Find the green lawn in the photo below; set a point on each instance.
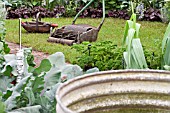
(151, 34)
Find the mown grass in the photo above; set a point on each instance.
(151, 34)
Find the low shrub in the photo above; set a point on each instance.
(119, 14)
(152, 14)
(104, 55)
(25, 12)
(153, 58)
(108, 56)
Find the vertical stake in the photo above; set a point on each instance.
(20, 34)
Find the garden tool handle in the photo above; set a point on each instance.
(38, 18)
(103, 18)
(75, 18)
(103, 8)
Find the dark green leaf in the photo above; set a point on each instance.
(44, 67)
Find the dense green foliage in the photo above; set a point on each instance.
(105, 55)
(125, 4)
(110, 56)
(3, 46)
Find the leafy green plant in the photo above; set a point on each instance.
(3, 46)
(165, 49)
(117, 4)
(21, 3)
(36, 90)
(165, 11)
(112, 4)
(4, 49)
(153, 58)
(134, 55)
(103, 55)
(50, 4)
(70, 8)
(150, 3)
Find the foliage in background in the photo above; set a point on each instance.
(114, 8)
(119, 14)
(24, 12)
(51, 8)
(151, 14)
(165, 11)
(148, 10)
(103, 55)
(70, 8)
(66, 8)
(22, 3)
(117, 4)
(156, 4)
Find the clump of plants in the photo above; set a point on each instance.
(103, 55)
(134, 56)
(119, 14)
(91, 12)
(153, 58)
(25, 12)
(70, 8)
(107, 56)
(151, 14)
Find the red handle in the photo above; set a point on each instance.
(54, 25)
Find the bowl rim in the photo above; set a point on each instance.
(64, 108)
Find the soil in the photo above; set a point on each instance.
(38, 56)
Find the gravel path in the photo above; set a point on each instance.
(38, 56)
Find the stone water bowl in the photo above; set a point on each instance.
(120, 91)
